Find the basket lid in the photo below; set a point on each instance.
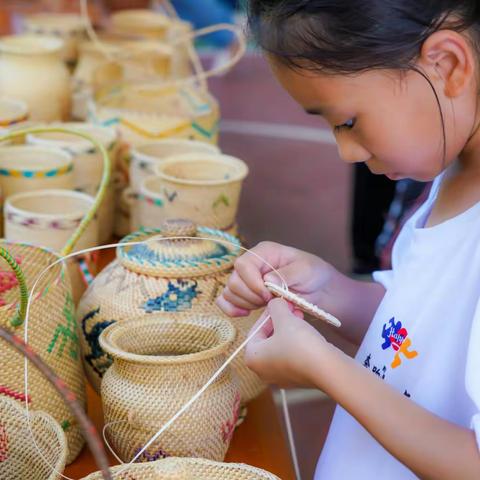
(164, 254)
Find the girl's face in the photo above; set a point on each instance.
(390, 122)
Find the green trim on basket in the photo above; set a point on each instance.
(68, 248)
(19, 317)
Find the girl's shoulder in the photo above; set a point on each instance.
(454, 195)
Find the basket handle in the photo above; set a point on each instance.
(19, 316)
(89, 431)
(200, 74)
(68, 248)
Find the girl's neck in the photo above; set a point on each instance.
(469, 158)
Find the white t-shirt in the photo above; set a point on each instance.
(424, 340)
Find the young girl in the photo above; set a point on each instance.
(399, 82)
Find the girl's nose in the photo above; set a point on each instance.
(351, 151)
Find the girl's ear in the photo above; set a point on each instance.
(448, 57)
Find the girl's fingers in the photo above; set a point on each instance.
(239, 302)
(281, 312)
(239, 288)
(251, 270)
(230, 309)
(265, 331)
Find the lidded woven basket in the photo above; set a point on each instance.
(166, 276)
(187, 469)
(158, 366)
(19, 456)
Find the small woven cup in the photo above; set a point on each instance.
(88, 164)
(158, 366)
(20, 454)
(12, 111)
(201, 187)
(48, 218)
(67, 26)
(27, 168)
(146, 156)
(141, 22)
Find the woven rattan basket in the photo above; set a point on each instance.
(52, 330)
(158, 366)
(146, 113)
(187, 469)
(54, 336)
(19, 457)
(170, 278)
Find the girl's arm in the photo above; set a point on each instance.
(431, 447)
(289, 352)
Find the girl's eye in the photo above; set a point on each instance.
(349, 124)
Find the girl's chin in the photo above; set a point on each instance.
(395, 176)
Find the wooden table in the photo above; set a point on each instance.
(258, 441)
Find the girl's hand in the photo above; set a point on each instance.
(286, 349)
(304, 273)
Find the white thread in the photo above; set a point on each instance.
(291, 439)
(196, 396)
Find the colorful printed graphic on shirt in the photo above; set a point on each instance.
(396, 336)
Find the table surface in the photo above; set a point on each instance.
(259, 441)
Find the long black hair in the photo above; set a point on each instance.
(350, 36)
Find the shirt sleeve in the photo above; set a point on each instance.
(383, 277)
(472, 375)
